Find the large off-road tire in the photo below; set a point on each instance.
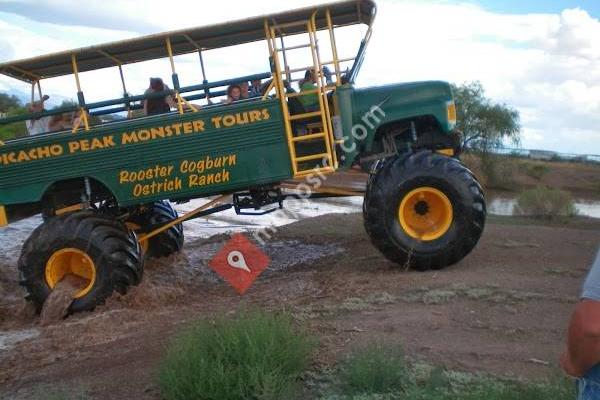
(424, 211)
(99, 250)
(167, 242)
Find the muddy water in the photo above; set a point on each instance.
(192, 264)
(9, 339)
(57, 303)
(12, 238)
(172, 279)
(294, 210)
(506, 206)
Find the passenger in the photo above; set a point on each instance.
(328, 75)
(70, 120)
(310, 101)
(234, 93)
(159, 105)
(42, 124)
(255, 88)
(245, 90)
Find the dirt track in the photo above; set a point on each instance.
(502, 310)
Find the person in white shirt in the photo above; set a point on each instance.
(42, 124)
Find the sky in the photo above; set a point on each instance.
(540, 57)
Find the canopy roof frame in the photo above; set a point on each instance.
(184, 41)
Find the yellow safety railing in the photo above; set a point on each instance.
(170, 53)
(323, 103)
(186, 103)
(82, 112)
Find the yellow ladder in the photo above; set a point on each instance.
(325, 134)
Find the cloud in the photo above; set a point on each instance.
(6, 50)
(90, 14)
(576, 33)
(149, 16)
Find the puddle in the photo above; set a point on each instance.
(506, 207)
(287, 254)
(192, 264)
(229, 221)
(9, 339)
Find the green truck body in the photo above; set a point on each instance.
(216, 150)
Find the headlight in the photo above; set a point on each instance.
(451, 113)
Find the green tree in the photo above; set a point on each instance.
(8, 102)
(11, 105)
(485, 125)
(15, 129)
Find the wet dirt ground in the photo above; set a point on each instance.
(503, 310)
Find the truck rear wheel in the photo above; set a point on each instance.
(167, 242)
(100, 251)
(424, 211)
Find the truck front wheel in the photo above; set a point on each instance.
(424, 211)
(102, 253)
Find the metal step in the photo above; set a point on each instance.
(308, 137)
(312, 157)
(305, 115)
(300, 46)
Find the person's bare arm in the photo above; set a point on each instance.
(583, 342)
(171, 102)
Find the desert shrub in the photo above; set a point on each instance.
(543, 202)
(374, 369)
(253, 356)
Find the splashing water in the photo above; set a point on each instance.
(59, 300)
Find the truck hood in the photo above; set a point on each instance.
(413, 92)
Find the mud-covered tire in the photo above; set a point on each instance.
(167, 242)
(113, 249)
(395, 179)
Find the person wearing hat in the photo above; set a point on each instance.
(41, 124)
(581, 358)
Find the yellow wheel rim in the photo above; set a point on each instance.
(74, 262)
(425, 213)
